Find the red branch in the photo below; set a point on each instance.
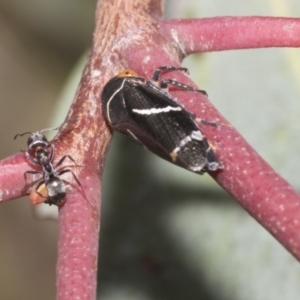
(227, 33)
(129, 34)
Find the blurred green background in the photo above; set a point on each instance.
(165, 233)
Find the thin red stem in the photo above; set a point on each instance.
(228, 33)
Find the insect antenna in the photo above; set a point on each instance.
(21, 134)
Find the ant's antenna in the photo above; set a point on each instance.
(21, 134)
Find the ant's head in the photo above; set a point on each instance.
(36, 139)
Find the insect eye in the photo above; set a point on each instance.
(44, 139)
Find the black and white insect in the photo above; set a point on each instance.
(51, 189)
(145, 111)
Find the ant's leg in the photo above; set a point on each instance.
(158, 71)
(37, 188)
(76, 179)
(51, 152)
(63, 159)
(30, 172)
(31, 159)
(26, 182)
(78, 182)
(34, 161)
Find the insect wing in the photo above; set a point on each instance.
(151, 116)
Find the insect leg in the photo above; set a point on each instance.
(212, 162)
(51, 152)
(78, 182)
(208, 123)
(30, 172)
(31, 159)
(38, 186)
(63, 159)
(165, 82)
(159, 70)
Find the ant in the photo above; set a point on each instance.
(40, 152)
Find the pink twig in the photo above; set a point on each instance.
(228, 33)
